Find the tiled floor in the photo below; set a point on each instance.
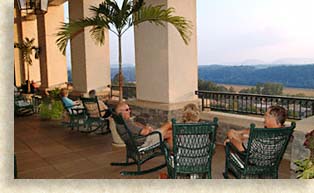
(48, 150)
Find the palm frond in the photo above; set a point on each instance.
(71, 29)
(160, 16)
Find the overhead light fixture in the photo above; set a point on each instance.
(33, 6)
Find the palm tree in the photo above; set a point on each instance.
(27, 47)
(109, 16)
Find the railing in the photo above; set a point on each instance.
(128, 91)
(297, 107)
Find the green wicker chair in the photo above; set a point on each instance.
(262, 156)
(193, 147)
(77, 116)
(138, 155)
(95, 120)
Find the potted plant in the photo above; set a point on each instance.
(51, 106)
(305, 168)
(27, 47)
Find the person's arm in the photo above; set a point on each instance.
(146, 130)
(237, 137)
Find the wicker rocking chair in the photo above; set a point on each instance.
(77, 116)
(97, 119)
(22, 107)
(138, 155)
(262, 156)
(193, 147)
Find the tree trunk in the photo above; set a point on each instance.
(120, 71)
(28, 81)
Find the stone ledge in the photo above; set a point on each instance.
(160, 106)
(299, 152)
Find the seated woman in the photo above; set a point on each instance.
(275, 117)
(65, 99)
(190, 113)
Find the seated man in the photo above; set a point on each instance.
(139, 129)
(275, 117)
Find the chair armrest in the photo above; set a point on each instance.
(230, 146)
(144, 136)
(155, 133)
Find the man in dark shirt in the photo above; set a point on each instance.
(140, 129)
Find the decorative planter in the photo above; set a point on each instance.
(116, 139)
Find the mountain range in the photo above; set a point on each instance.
(298, 76)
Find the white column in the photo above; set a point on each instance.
(90, 62)
(166, 68)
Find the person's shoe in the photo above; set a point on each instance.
(163, 175)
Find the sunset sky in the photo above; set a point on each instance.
(237, 31)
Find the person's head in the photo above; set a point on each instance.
(124, 109)
(64, 92)
(190, 113)
(92, 93)
(275, 117)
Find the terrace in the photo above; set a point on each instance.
(46, 149)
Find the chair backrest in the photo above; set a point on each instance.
(91, 106)
(266, 146)
(193, 146)
(125, 133)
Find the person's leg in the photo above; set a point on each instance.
(165, 128)
(166, 131)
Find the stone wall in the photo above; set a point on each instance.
(147, 113)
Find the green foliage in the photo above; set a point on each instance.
(267, 88)
(51, 106)
(55, 93)
(305, 169)
(115, 80)
(27, 47)
(231, 89)
(210, 86)
(51, 110)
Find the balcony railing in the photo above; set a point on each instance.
(128, 91)
(297, 107)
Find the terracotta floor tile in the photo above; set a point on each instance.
(62, 158)
(41, 173)
(75, 167)
(46, 149)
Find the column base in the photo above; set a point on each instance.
(154, 113)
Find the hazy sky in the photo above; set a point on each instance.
(233, 31)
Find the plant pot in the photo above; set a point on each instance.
(116, 139)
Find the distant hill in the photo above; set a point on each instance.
(297, 76)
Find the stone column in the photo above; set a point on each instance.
(41, 34)
(166, 68)
(55, 70)
(90, 62)
(19, 67)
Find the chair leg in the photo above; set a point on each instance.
(141, 172)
